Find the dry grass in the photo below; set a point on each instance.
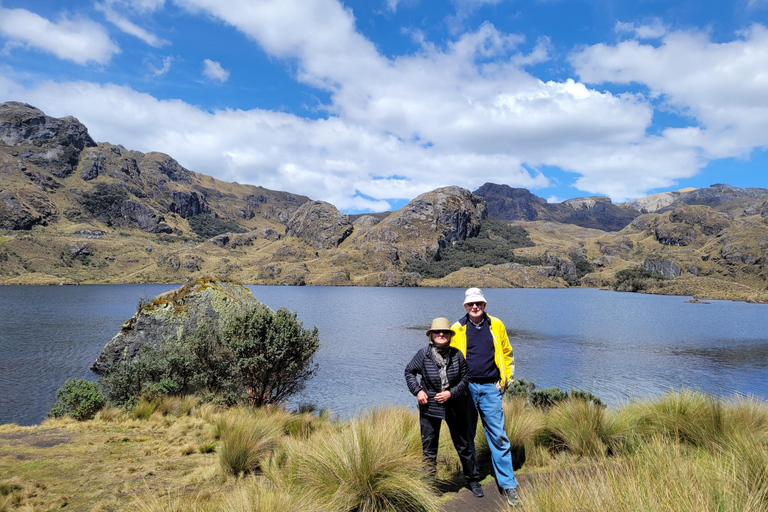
(682, 452)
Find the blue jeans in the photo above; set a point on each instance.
(487, 401)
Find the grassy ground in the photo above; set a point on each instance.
(681, 452)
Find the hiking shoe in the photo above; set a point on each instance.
(476, 489)
(512, 498)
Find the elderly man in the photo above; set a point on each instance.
(483, 341)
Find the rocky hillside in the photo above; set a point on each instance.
(76, 211)
(55, 175)
(505, 202)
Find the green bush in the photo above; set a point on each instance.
(635, 279)
(261, 356)
(104, 200)
(494, 245)
(78, 398)
(272, 353)
(207, 226)
(547, 397)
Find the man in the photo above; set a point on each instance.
(483, 341)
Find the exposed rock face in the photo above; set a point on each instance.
(25, 209)
(509, 203)
(656, 202)
(723, 198)
(44, 159)
(319, 224)
(52, 144)
(175, 314)
(455, 213)
(187, 204)
(663, 266)
(505, 202)
(681, 228)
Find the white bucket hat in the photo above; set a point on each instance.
(474, 295)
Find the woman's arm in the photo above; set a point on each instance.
(411, 370)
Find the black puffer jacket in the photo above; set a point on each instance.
(423, 364)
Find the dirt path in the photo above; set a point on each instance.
(493, 501)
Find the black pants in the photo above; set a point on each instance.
(457, 426)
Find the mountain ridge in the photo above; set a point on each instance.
(76, 211)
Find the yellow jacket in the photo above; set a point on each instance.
(505, 361)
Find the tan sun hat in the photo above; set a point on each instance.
(440, 324)
(474, 295)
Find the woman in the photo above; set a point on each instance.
(440, 390)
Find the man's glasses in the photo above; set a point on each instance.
(442, 333)
(478, 304)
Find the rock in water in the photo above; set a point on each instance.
(172, 315)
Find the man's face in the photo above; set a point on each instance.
(475, 310)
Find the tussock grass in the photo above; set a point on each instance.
(144, 409)
(521, 421)
(248, 437)
(578, 426)
(260, 495)
(371, 464)
(684, 451)
(661, 476)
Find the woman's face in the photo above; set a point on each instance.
(441, 338)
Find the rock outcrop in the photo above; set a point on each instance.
(509, 203)
(50, 143)
(171, 316)
(319, 224)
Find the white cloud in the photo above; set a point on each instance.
(392, 5)
(162, 71)
(214, 71)
(460, 114)
(655, 29)
(129, 27)
(723, 87)
(81, 41)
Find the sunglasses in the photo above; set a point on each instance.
(478, 304)
(442, 333)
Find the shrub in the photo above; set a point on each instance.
(105, 200)
(78, 398)
(494, 244)
(261, 356)
(547, 397)
(207, 226)
(635, 279)
(272, 352)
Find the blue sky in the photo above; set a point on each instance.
(366, 104)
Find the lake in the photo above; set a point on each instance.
(619, 346)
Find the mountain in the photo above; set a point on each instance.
(505, 202)
(54, 174)
(76, 211)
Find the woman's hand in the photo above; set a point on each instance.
(421, 396)
(442, 396)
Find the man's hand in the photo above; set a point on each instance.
(442, 396)
(421, 396)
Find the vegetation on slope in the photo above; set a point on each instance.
(493, 245)
(207, 226)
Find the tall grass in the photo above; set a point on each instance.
(260, 495)
(660, 476)
(371, 464)
(578, 426)
(247, 438)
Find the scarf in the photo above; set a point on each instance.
(441, 358)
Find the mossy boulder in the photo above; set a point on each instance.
(172, 315)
